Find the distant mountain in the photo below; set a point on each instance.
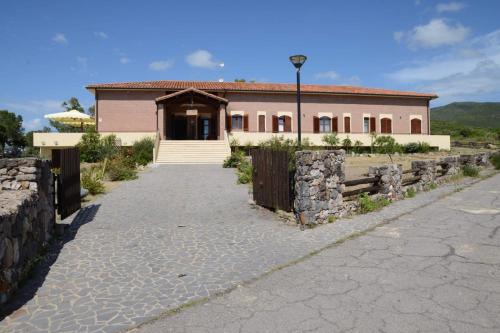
(485, 115)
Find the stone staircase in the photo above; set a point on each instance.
(192, 151)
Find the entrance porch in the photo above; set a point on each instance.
(191, 114)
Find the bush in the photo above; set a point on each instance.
(331, 139)
(358, 147)
(108, 147)
(414, 147)
(495, 160)
(121, 167)
(386, 145)
(411, 148)
(470, 171)
(288, 145)
(234, 159)
(90, 146)
(367, 204)
(424, 147)
(92, 180)
(245, 170)
(142, 151)
(93, 148)
(347, 143)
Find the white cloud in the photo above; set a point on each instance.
(337, 78)
(38, 107)
(124, 60)
(32, 124)
(330, 75)
(161, 65)
(482, 79)
(468, 71)
(60, 38)
(202, 59)
(433, 34)
(450, 7)
(101, 34)
(398, 35)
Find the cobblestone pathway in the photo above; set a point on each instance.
(435, 270)
(177, 234)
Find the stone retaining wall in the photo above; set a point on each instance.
(27, 218)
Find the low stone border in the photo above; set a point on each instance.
(320, 178)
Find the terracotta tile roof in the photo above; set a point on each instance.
(263, 87)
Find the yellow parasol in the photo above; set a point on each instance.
(73, 118)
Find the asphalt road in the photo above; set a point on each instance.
(436, 269)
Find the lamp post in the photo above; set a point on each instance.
(297, 61)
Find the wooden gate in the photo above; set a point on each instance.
(67, 163)
(272, 181)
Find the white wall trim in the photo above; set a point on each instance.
(285, 113)
(385, 115)
(325, 114)
(236, 112)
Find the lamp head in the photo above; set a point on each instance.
(298, 60)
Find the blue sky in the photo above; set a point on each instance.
(51, 49)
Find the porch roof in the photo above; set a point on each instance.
(191, 90)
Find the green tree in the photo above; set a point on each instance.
(91, 111)
(387, 145)
(11, 130)
(70, 104)
(73, 104)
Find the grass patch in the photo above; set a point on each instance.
(495, 161)
(470, 171)
(331, 219)
(92, 180)
(410, 193)
(368, 204)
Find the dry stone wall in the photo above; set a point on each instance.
(320, 177)
(27, 218)
(319, 185)
(389, 180)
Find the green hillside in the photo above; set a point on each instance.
(470, 114)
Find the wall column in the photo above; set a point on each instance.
(160, 117)
(222, 121)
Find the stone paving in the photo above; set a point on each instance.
(434, 270)
(177, 234)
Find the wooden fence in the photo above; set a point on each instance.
(372, 181)
(272, 180)
(67, 163)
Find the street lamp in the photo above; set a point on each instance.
(297, 61)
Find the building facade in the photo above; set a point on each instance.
(252, 112)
